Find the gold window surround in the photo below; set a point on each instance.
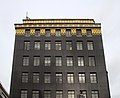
(95, 31)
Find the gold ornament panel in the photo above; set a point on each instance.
(95, 31)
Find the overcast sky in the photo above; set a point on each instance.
(106, 12)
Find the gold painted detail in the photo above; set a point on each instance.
(60, 21)
(56, 25)
(42, 31)
(20, 31)
(83, 30)
(95, 31)
(73, 31)
(32, 31)
(53, 31)
(63, 30)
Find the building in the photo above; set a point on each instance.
(3, 92)
(59, 58)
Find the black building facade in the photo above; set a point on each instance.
(59, 58)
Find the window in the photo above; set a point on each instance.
(58, 77)
(78, 32)
(80, 61)
(69, 61)
(93, 78)
(47, 94)
(70, 77)
(35, 94)
(24, 93)
(68, 45)
(58, 61)
(81, 77)
(58, 32)
(58, 45)
(71, 94)
(25, 77)
(90, 45)
(79, 45)
(95, 94)
(37, 32)
(68, 33)
(47, 32)
(47, 45)
(25, 60)
(35, 77)
(89, 32)
(26, 45)
(36, 61)
(37, 45)
(47, 61)
(27, 32)
(83, 94)
(59, 94)
(91, 61)
(47, 78)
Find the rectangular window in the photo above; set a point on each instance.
(27, 32)
(26, 45)
(91, 61)
(47, 61)
(37, 45)
(68, 33)
(58, 32)
(81, 77)
(69, 61)
(58, 77)
(83, 94)
(95, 94)
(70, 77)
(24, 93)
(89, 32)
(93, 77)
(58, 45)
(25, 77)
(58, 61)
(36, 61)
(47, 45)
(78, 32)
(25, 60)
(47, 94)
(37, 32)
(90, 45)
(79, 45)
(36, 77)
(71, 94)
(47, 32)
(47, 78)
(68, 45)
(35, 94)
(80, 61)
(59, 94)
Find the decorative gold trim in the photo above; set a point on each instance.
(60, 21)
(56, 25)
(42, 31)
(95, 31)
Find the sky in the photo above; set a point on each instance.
(106, 12)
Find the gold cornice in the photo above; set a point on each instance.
(55, 25)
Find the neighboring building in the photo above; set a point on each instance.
(59, 58)
(3, 93)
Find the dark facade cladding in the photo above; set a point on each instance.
(58, 63)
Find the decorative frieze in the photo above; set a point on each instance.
(21, 31)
